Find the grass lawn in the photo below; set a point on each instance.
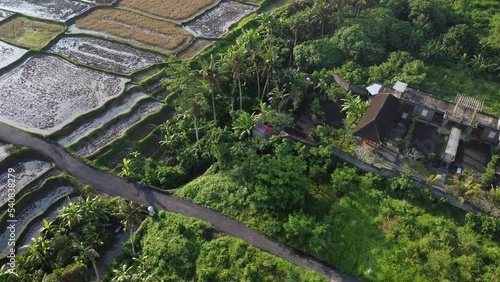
(29, 33)
(448, 82)
(418, 167)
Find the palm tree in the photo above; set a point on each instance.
(70, 216)
(243, 124)
(194, 105)
(354, 107)
(432, 51)
(320, 14)
(271, 61)
(210, 73)
(359, 5)
(92, 255)
(131, 218)
(252, 43)
(234, 60)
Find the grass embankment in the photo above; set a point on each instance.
(368, 231)
(173, 247)
(128, 25)
(29, 33)
(170, 9)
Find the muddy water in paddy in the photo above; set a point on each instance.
(45, 93)
(34, 229)
(116, 130)
(25, 215)
(24, 173)
(3, 150)
(10, 54)
(5, 14)
(104, 118)
(217, 21)
(57, 10)
(105, 54)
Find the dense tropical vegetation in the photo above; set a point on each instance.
(172, 247)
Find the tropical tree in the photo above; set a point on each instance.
(210, 72)
(70, 216)
(92, 255)
(243, 124)
(131, 218)
(354, 107)
(126, 171)
(251, 41)
(193, 105)
(234, 60)
(38, 249)
(271, 62)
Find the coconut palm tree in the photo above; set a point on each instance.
(234, 60)
(193, 105)
(250, 40)
(271, 62)
(210, 72)
(131, 218)
(92, 255)
(354, 107)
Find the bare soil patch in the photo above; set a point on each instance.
(105, 54)
(45, 93)
(10, 54)
(170, 9)
(29, 33)
(129, 25)
(217, 21)
(57, 10)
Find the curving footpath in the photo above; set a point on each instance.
(116, 186)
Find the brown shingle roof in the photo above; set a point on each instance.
(376, 121)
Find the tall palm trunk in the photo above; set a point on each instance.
(98, 277)
(213, 104)
(265, 85)
(258, 84)
(241, 95)
(132, 240)
(195, 121)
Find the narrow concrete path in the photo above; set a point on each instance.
(116, 186)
